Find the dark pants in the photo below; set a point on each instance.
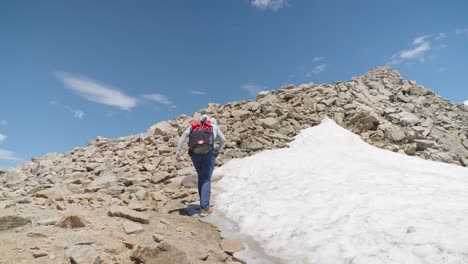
(204, 164)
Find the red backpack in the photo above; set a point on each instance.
(201, 137)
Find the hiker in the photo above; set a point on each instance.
(202, 135)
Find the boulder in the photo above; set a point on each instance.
(269, 122)
(71, 220)
(162, 129)
(394, 133)
(405, 118)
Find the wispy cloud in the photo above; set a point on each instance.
(159, 98)
(197, 92)
(6, 155)
(440, 36)
(76, 112)
(462, 31)
(317, 59)
(466, 102)
(97, 92)
(274, 5)
(417, 51)
(252, 88)
(2, 138)
(3, 122)
(317, 69)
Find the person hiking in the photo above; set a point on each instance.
(202, 135)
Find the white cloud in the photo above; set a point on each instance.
(3, 122)
(2, 138)
(76, 112)
(440, 36)
(462, 31)
(252, 88)
(269, 4)
(7, 155)
(97, 92)
(317, 59)
(466, 102)
(418, 49)
(159, 98)
(197, 92)
(317, 69)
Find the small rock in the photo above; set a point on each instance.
(132, 227)
(410, 229)
(84, 255)
(163, 253)
(51, 221)
(231, 246)
(39, 254)
(158, 238)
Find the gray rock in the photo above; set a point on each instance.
(405, 118)
(84, 255)
(56, 193)
(423, 144)
(239, 114)
(132, 227)
(394, 133)
(12, 221)
(162, 129)
(269, 122)
(14, 177)
(124, 212)
(454, 145)
(103, 182)
(262, 94)
(162, 253)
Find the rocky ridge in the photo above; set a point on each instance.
(122, 200)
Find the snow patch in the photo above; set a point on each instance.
(332, 198)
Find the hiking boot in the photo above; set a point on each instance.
(205, 212)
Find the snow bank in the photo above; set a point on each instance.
(332, 198)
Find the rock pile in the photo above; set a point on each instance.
(136, 178)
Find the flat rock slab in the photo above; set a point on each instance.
(56, 193)
(163, 253)
(84, 255)
(124, 212)
(132, 227)
(12, 221)
(231, 246)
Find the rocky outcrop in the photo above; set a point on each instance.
(136, 177)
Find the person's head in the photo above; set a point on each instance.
(204, 117)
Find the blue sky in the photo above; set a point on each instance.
(74, 70)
